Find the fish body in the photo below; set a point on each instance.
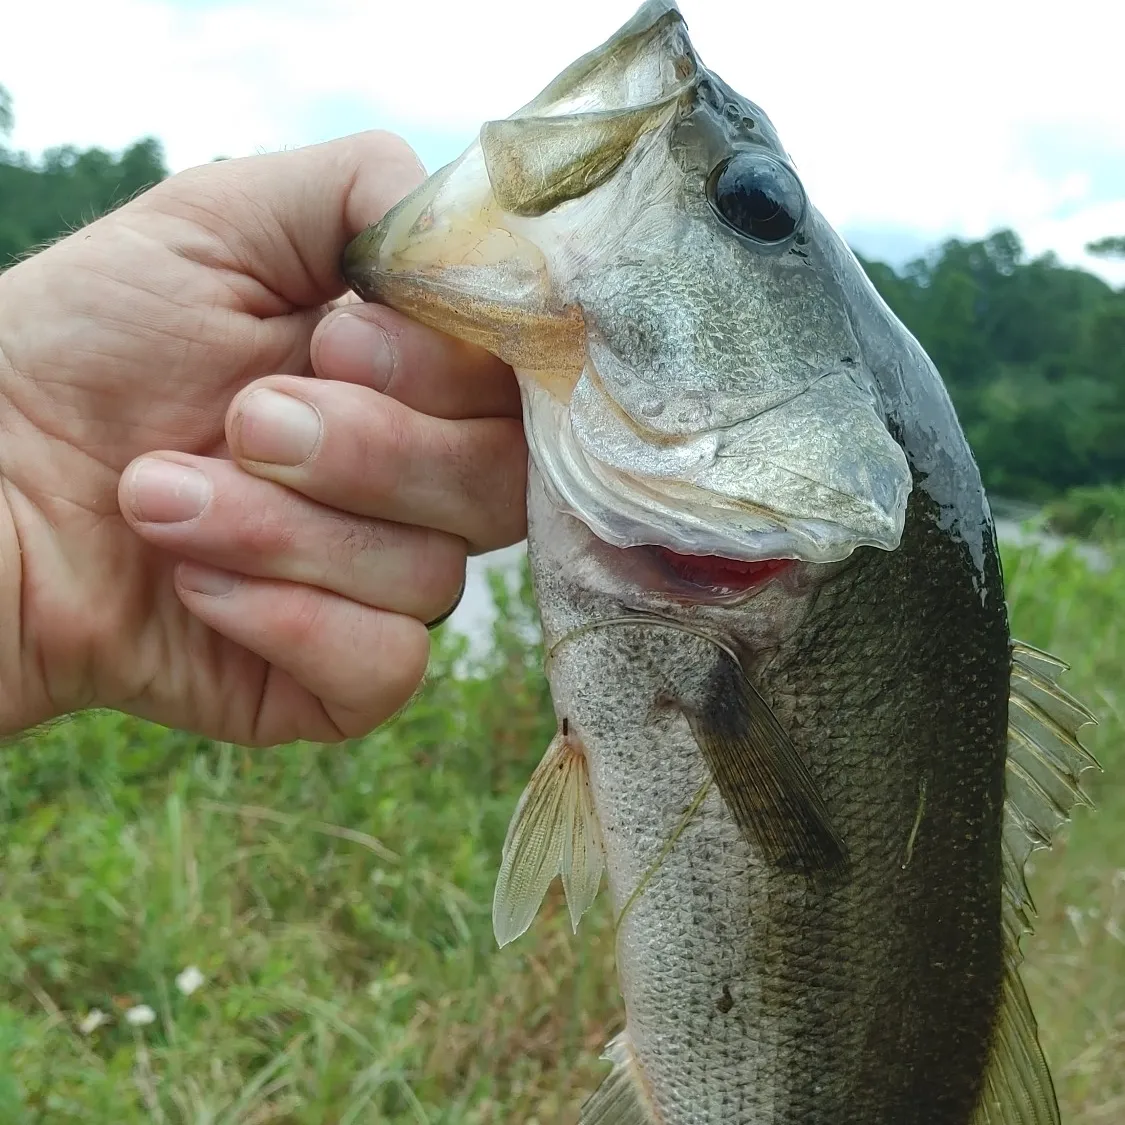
(793, 728)
(759, 994)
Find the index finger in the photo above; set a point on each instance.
(424, 369)
(284, 218)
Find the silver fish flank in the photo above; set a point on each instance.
(794, 731)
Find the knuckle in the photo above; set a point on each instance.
(394, 149)
(303, 625)
(385, 444)
(353, 538)
(263, 532)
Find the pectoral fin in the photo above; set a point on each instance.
(774, 799)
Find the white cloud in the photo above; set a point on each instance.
(1068, 236)
(936, 117)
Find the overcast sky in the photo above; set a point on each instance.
(908, 120)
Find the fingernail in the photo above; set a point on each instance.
(358, 350)
(164, 492)
(205, 580)
(277, 429)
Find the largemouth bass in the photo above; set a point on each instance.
(794, 731)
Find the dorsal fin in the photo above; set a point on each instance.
(1045, 764)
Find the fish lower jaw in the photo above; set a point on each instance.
(694, 499)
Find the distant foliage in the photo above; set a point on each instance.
(1111, 247)
(66, 188)
(1089, 513)
(1033, 352)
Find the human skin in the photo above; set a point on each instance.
(225, 505)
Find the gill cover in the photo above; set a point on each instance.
(636, 244)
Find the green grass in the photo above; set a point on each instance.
(1076, 960)
(337, 901)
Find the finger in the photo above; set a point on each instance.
(213, 512)
(362, 664)
(423, 369)
(351, 448)
(284, 218)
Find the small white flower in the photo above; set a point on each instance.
(189, 980)
(1074, 914)
(140, 1015)
(92, 1020)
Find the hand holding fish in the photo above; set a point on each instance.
(225, 507)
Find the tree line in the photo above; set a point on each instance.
(1032, 351)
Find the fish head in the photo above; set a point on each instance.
(636, 243)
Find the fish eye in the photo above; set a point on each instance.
(757, 196)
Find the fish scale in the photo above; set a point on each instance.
(911, 698)
(794, 732)
(824, 971)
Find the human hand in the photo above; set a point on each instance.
(314, 556)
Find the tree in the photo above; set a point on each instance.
(1111, 247)
(1033, 354)
(66, 188)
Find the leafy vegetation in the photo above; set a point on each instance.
(1033, 354)
(337, 902)
(66, 188)
(1088, 513)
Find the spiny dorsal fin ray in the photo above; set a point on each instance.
(554, 831)
(773, 798)
(1045, 763)
(621, 1098)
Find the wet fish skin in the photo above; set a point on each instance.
(871, 999)
(810, 795)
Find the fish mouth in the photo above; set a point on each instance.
(707, 580)
(810, 473)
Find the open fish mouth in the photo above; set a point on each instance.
(704, 580)
(687, 376)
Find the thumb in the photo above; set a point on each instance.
(284, 218)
